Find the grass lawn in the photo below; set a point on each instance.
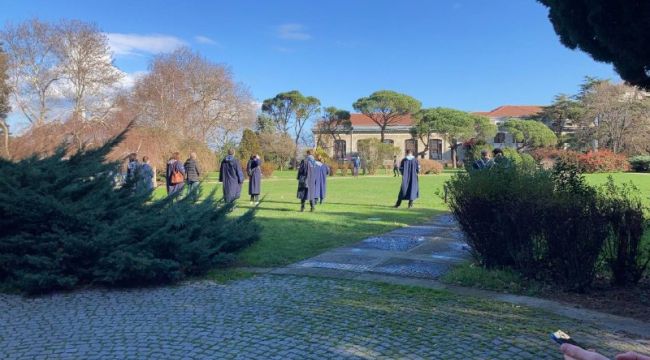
(354, 209)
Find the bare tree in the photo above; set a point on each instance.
(5, 91)
(198, 99)
(34, 67)
(617, 116)
(87, 68)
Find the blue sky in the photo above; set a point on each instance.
(472, 55)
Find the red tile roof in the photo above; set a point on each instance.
(363, 120)
(513, 111)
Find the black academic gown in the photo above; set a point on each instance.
(232, 177)
(410, 189)
(254, 176)
(307, 180)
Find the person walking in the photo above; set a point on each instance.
(410, 189)
(356, 163)
(395, 166)
(232, 177)
(193, 173)
(307, 181)
(147, 174)
(175, 174)
(132, 167)
(322, 171)
(254, 171)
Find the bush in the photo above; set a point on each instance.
(548, 224)
(344, 167)
(623, 253)
(267, 169)
(428, 166)
(334, 167)
(65, 226)
(602, 161)
(374, 152)
(640, 163)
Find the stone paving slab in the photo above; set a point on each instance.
(411, 268)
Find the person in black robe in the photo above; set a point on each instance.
(232, 177)
(254, 171)
(322, 171)
(410, 189)
(307, 181)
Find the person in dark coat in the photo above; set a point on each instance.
(356, 163)
(175, 174)
(193, 173)
(410, 189)
(147, 174)
(254, 171)
(395, 167)
(232, 177)
(307, 181)
(323, 172)
(132, 167)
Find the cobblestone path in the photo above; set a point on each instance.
(284, 317)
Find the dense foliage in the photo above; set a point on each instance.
(640, 163)
(374, 152)
(548, 223)
(616, 32)
(530, 134)
(590, 162)
(428, 166)
(65, 225)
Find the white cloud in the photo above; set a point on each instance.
(133, 44)
(293, 32)
(205, 40)
(129, 79)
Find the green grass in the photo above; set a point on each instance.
(509, 281)
(354, 209)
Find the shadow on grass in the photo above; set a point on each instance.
(287, 238)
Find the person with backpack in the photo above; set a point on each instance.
(193, 173)
(175, 175)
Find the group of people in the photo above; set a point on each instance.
(484, 162)
(312, 181)
(232, 177)
(312, 177)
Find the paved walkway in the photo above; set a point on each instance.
(422, 251)
(299, 317)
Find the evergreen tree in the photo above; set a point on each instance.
(249, 145)
(65, 225)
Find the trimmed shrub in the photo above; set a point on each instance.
(344, 167)
(428, 166)
(267, 169)
(65, 226)
(624, 255)
(640, 163)
(602, 161)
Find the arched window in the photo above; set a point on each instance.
(411, 144)
(435, 149)
(339, 149)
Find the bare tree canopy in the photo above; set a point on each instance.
(186, 93)
(5, 108)
(59, 69)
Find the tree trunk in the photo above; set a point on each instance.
(383, 129)
(5, 132)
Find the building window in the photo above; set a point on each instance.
(339, 149)
(435, 149)
(500, 138)
(389, 141)
(411, 144)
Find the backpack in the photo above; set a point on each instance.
(177, 177)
